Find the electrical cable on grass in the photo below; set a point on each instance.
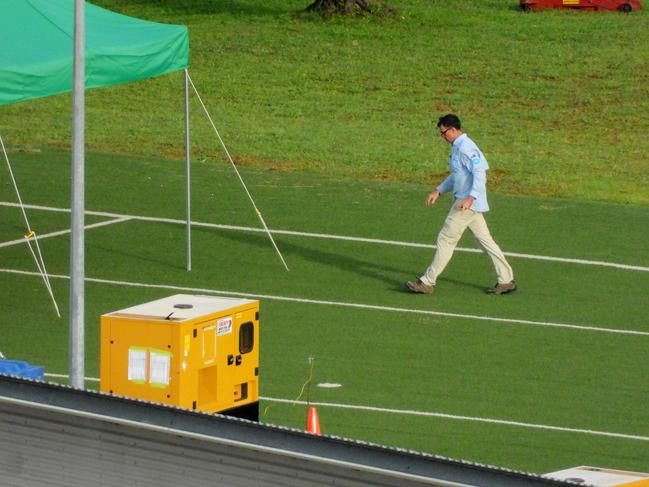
(261, 218)
(31, 235)
(307, 384)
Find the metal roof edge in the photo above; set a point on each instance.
(264, 437)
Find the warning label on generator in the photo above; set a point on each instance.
(159, 368)
(224, 326)
(137, 364)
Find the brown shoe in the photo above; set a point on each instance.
(419, 287)
(505, 288)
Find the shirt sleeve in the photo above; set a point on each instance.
(479, 182)
(446, 185)
(476, 165)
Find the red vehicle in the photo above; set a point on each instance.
(621, 5)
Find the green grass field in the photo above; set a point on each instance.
(333, 127)
(556, 100)
(411, 358)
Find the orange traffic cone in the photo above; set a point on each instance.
(312, 423)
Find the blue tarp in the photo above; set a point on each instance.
(22, 369)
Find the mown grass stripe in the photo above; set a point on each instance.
(344, 304)
(399, 243)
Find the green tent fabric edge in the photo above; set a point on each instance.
(37, 56)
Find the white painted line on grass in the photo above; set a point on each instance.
(343, 304)
(341, 237)
(431, 414)
(461, 418)
(66, 376)
(64, 232)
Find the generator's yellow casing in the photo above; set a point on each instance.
(195, 352)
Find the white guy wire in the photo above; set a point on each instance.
(40, 263)
(41, 268)
(261, 218)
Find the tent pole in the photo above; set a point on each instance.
(77, 257)
(188, 202)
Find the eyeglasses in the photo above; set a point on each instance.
(443, 132)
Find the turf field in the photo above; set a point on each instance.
(550, 377)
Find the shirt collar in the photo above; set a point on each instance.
(458, 141)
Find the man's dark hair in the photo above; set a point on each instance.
(450, 120)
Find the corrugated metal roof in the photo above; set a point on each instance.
(53, 435)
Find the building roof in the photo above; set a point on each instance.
(66, 436)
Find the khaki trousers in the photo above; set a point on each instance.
(456, 222)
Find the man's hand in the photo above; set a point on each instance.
(432, 197)
(466, 203)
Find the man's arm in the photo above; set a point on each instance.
(432, 198)
(476, 166)
(444, 187)
(479, 186)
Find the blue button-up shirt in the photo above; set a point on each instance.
(468, 173)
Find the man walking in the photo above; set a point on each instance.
(468, 184)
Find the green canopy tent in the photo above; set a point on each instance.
(42, 54)
(37, 48)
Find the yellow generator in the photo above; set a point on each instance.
(195, 352)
